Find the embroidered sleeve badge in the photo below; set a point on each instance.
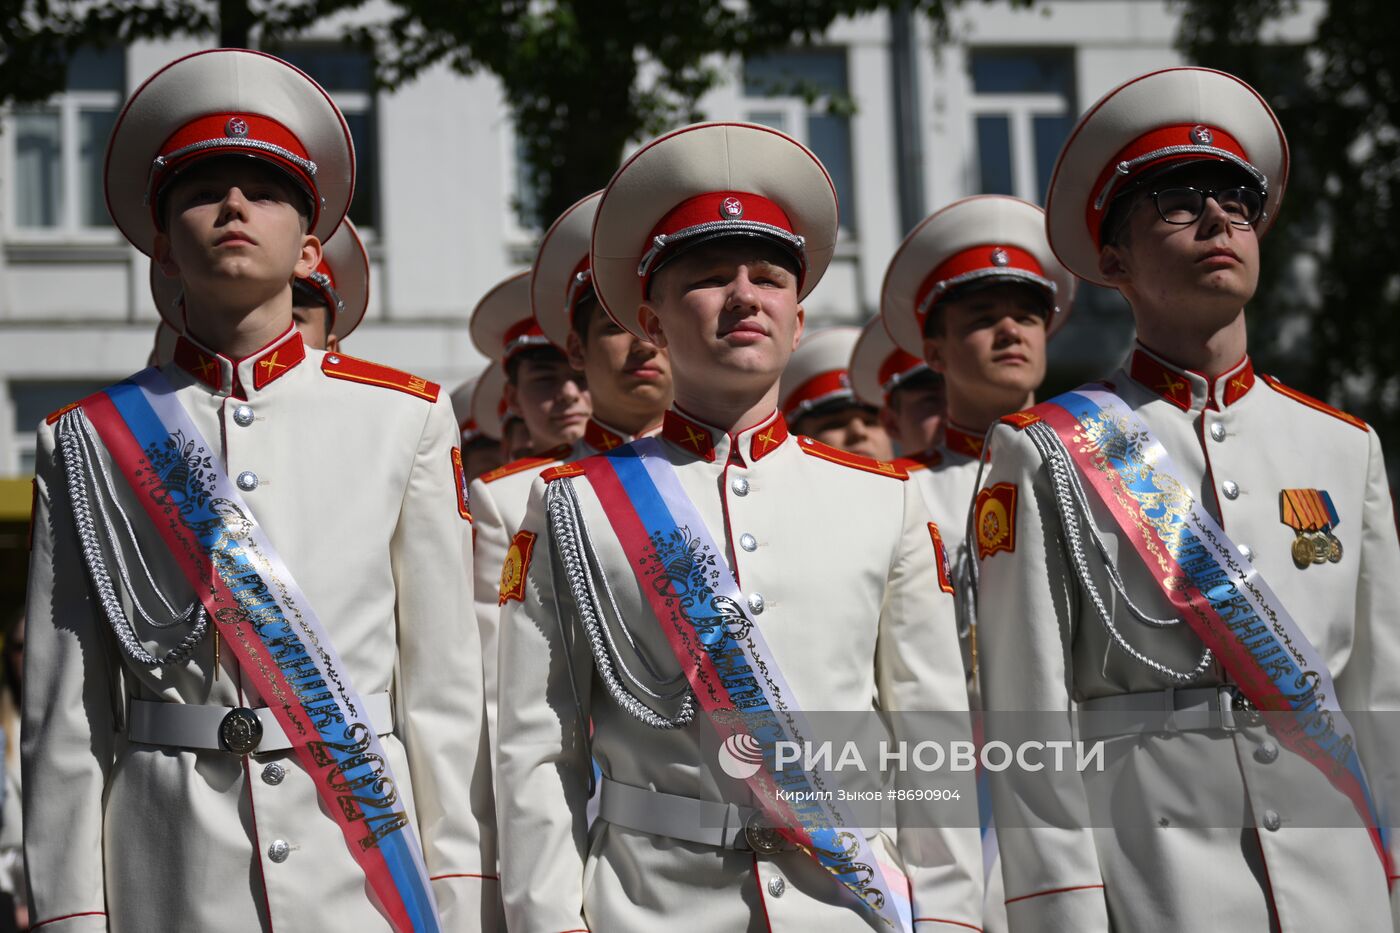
(945, 579)
(517, 564)
(996, 520)
(459, 474)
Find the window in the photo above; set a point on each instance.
(59, 148)
(35, 401)
(348, 76)
(805, 93)
(1022, 110)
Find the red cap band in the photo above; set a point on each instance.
(896, 365)
(1180, 142)
(749, 213)
(985, 258)
(816, 389)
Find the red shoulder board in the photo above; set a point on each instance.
(821, 451)
(562, 471)
(340, 366)
(1315, 404)
(1021, 419)
(53, 418)
(923, 461)
(553, 455)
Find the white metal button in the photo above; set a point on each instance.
(1231, 490)
(332, 359)
(1266, 753)
(776, 886)
(247, 481)
(279, 850)
(1217, 431)
(243, 415)
(1247, 552)
(748, 542)
(740, 486)
(756, 603)
(273, 773)
(1272, 821)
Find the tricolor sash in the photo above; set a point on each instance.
(1215, 589)
(269, 624)
(692, 591)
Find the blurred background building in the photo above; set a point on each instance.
(904, 122)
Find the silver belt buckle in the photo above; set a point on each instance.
(241, 731)
(762, 836)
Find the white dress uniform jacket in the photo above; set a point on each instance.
(354, 483)
(840, 570)
(1238, 441)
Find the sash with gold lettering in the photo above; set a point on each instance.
(1215, 589)
(692, 591)
(280, 644)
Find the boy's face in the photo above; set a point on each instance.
(992, 341)
(726, 311)
(233, 225)
(626, 375)
(915, 414)
(853, 427)
(551, 399)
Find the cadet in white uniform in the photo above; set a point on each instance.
(912, 399)
(705, 242)
(1214, 823)
(818, 401)
(162, 793)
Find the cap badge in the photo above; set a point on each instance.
(1202, 136)
(731, 209)
(236, 126)
(1000, 257)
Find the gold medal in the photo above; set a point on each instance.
(1302, 552)
(1320, 548)
(1334, 548)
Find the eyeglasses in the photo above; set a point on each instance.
(1181, 206)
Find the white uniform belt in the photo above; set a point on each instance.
(1172, 709)
(185, 725)
(706, 822)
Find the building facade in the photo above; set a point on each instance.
(904, 123)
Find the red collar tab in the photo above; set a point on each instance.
(987, 261)
(962, 441)
(898, 366)
(768, 438)
(1235, 384)
(718, 213)
(1156, 374)
(602, 439)
(205, 366)
(1181, 387)
(522, 335)
(1180, 142)
(279, 360)
(690, 436)
(243, 133)
(822, 387)
(580, 287)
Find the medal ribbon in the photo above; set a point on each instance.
(272, 630)
(1217, 591)
(733, 674)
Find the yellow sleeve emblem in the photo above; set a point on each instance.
(517, 565)
(996, 520)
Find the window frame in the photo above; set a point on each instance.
(1020, 110)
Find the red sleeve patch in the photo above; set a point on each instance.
(459, 475)
(996, 520)
(945, 578)
(517, 565)
(340, 366)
